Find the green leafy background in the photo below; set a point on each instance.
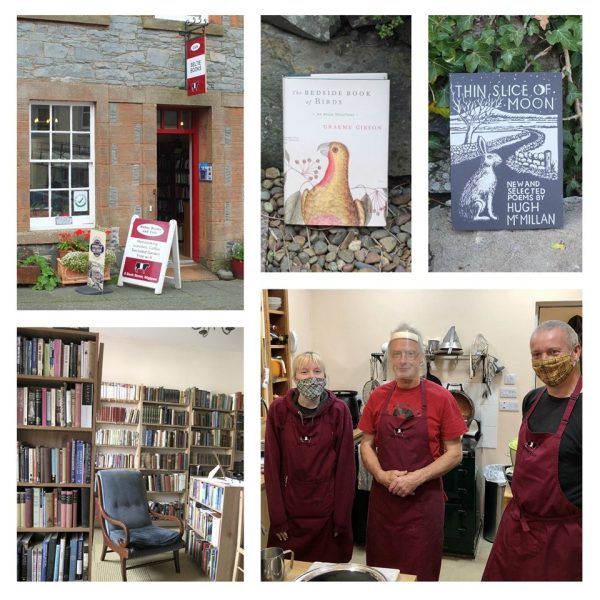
(459, 44)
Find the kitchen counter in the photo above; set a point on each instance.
(300, 567)
(507, 496)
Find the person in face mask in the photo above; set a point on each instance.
(539, 537)
(309, 468)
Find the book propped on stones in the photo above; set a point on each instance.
(506, 150)
(335, 141)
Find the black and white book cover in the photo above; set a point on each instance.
(506, 150)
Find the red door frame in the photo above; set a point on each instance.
(193, 172)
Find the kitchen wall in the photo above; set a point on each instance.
(176, 358)
(345, 326)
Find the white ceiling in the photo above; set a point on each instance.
(179, 336)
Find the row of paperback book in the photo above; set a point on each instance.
(174, 482)
(212, 437)
(118, 392)
(116, 460)
(208, 458)
(161, 394)
(163, 415)
(117, 437)
(205, 522)
(213, 419)
(54, 357)
(161, 438)
(207, 494)
(177, 461)
(203, 552)
(66, 508)
(68, 464)
(213, 401)
(53, 557)
(65, 406)
(118, 414)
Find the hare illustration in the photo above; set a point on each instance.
(478, 192)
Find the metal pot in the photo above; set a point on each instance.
(465, 404)
(343, 572)
(272, 563)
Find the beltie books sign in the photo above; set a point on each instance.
(195, 70)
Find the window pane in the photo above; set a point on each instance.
(80, 175)
(185, 122)
(38, 204)
(81, 145)
(59, 175)
(40, 117)
(170, 117)
(60, 203)
(61, 146)
(61, 118)
(81, 118)
(80, 202)
(40, 146)
(38, 176)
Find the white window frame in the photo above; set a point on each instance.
(75, 221)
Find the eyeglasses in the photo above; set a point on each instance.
(409, 354)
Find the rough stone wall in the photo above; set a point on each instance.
(124, 53)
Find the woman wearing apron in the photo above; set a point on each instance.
(411, 438)
(539, 537)
(309, 468)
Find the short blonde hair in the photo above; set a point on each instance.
(306, 358)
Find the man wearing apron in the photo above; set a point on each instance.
(539, 537)
(411, 438)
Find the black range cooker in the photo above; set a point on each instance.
(463, 487)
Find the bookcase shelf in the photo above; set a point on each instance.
(212, 522)
(49, 451)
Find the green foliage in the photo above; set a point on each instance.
(237, 251)
(386, 25)
(79, 261)
(459, 44)
(47, 279)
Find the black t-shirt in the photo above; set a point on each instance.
(546, 418)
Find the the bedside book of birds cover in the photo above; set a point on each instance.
(506, 150)
(335, 147)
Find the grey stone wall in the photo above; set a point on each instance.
(124, 53)
(319, 44)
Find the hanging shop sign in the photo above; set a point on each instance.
(96, 259)
(147, 251)
(195, 66)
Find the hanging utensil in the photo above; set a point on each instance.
(430, 375)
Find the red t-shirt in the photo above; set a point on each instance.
(444, 420)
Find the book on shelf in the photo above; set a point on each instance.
(52, 357)
(70, 463)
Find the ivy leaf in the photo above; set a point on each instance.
(572, 94)
(464, 23)
(438, 110)
(543, 20)
(533, 27)
(559, 246)
(564, 37)
(479, 59)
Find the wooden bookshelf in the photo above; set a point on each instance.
(212, 525)
(275, 345)
(53, 454)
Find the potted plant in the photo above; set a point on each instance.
(78, 240)
(36, 270)
(73, 267)
(237, 260)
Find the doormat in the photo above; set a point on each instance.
(194, 273)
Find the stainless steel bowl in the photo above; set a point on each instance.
(342, 572)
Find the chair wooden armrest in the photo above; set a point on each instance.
(161, 517)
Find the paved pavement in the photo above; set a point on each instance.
(194, 295)
(540, 250)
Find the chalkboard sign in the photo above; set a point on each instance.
(506, 150)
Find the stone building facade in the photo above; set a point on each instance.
(106, 130)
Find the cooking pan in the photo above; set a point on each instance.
(465, 404)
(343, 572)
(430, 375)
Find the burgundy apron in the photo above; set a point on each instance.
(406, 533)
(309, 464)
(539, 537)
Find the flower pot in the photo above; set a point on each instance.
(61, 253)
(237, 268)
(68, 277)
(27, 275)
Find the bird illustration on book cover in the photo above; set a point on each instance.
(335, 152)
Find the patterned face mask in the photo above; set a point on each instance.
(553, 371)
(312, 387)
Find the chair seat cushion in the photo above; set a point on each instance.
(150, 536)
